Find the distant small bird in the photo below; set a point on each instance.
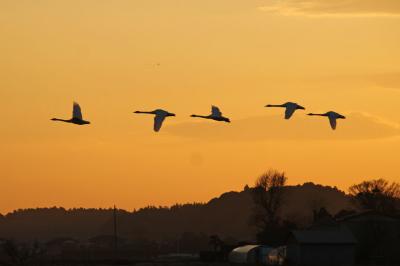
(215, 115)
(160, 115)
(333, 116)
(76, 116)
(290, 108)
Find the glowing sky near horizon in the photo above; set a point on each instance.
(115, 57)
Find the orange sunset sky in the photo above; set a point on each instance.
(115, 57)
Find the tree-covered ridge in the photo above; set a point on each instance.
(227, 215)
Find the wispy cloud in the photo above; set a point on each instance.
(386, 80)
(357, 126)
(337, 8)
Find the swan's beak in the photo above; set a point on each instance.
(302, 108)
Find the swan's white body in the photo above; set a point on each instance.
(77, 117)
(290, 108)
(332, 116)
(216, 115)
(159, 118)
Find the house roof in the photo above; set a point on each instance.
(367, 213)
(324, 237)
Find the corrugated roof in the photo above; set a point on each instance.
(324, 237)
(245, 249)
(241, 254)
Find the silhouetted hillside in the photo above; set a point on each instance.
(226, 216)
(301, 200)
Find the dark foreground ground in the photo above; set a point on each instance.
(186, 263)
(166, 263)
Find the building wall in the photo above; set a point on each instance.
(377, 236)
(320, 254)
(293, 254)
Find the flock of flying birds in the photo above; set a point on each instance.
(160, 115)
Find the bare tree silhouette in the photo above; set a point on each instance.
(268, 196)
(268, 199)
(377, 194)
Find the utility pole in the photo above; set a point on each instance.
(115, 233)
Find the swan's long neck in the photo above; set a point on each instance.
(318, 114)
(142, 112)
(61, 120)
(274, 105)
(201, 116)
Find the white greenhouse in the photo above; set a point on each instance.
(250, 254)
